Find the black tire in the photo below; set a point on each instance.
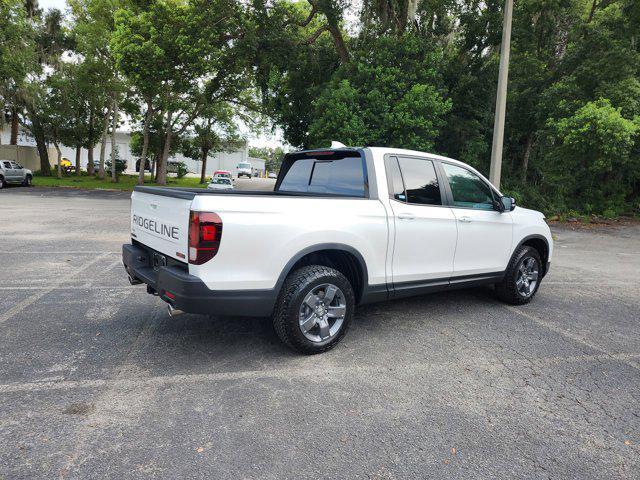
(27, 181)
(298, 285)
(2, 184)
(508, 290)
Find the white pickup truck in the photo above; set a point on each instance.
(342, 227)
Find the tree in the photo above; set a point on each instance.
(271, 156)
(391, 94)
(17, 56)
(600, 144)
(179, 58)
(213, 131)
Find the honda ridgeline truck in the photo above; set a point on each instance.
(343, 227)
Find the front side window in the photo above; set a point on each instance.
(468, 189)
(420, 181)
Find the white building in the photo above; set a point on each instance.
(219, 161)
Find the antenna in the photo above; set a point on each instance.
(335, 144)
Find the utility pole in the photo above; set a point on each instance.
(501, 97)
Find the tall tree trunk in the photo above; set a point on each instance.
(525, 158)
(103, 144)
(55, 143)
(203, 158)
(145, 142)
(114, 124)
(90, 146)
(338, 42)
(14, 126)
(41, 145)
(78, 153)
(161, 177)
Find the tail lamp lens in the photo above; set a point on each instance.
(205, 232)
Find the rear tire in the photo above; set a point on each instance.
(314, 309)
(2, 184)
(522, 277)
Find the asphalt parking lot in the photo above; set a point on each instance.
(96, 381)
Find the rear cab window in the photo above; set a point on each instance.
(332, 172)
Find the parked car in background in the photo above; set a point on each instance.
(12, 172)
(222, 173)
(147, 165)
(244, 169)
(67, 166)
(273, 175)
(351, 226)
(220, 183)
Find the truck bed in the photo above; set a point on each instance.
(189, 193)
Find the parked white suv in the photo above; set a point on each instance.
(11, 172)
(342, 227)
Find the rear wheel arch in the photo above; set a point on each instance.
(343, 258)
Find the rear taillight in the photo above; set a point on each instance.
(205, 232)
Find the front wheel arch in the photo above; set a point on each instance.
(539, 243)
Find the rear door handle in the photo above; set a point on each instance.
(406, 216)
(465, 219)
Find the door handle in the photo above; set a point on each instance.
(465, 219)
(406, 216)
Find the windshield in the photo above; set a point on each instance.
(244, 165)
(221, 181)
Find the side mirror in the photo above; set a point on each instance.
(508, 204)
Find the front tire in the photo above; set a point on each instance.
(314, 309)
(522, 278)
(27, 181)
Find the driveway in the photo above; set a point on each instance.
(96, 381)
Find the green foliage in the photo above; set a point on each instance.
(272, 156)
(412, 74)
(181, 169)
(390, 94)
(599, 167)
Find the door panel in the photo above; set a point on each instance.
(484, 234)
(425, 242)
(484, 241)
(425, 230)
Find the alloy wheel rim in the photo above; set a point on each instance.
(322, 313)
(527, 279)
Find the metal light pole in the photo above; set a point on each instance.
(501, 97)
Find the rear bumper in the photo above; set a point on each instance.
(188, 293)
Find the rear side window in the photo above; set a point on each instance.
(420, 181)
(394, 180)
(330, 175)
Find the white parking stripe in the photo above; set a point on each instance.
(316, 371)
(572, 336)
(41, 293)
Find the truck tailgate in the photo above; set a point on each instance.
(161, 222)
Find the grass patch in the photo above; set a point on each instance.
(125, 182)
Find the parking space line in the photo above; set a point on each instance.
(63, 252)
(312, 371)
(572, 336)
(41, 293)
